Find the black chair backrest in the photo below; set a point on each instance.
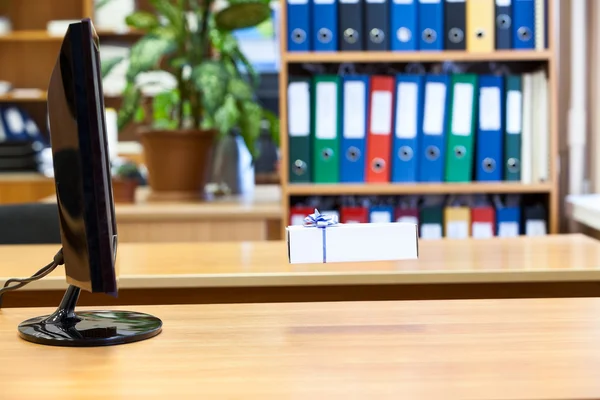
(29, 223)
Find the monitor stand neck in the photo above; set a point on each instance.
(65, 327)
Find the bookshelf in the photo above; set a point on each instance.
(545, 57)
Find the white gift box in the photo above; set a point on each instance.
(352, 242)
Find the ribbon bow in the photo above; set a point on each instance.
(321, 221)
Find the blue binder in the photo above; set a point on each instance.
(298, 25)
(381, 214)
(355, 95)
(432, 159)
(325, 19)
(508, 216)
(523, 24)
(431, 24)
(404, 25)
(407, 127)
(489, 154)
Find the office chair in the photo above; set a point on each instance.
(29, 223)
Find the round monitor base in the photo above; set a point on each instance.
(90, 328)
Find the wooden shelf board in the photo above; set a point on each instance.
(420, 56)
(29, 36)
(418, 188)
(9, 98)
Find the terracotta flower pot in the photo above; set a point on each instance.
(124, 190)
(177, 163)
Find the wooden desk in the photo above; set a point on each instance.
(223, 219)
(483, 349)
(175, 273)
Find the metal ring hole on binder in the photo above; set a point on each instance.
(326, 154)
(350, 35)
(324, 35)
(460, 151)
(298, 35)
(524, 33)
(503, 21)
(456, 35)
(377, 35)
(432, 153)
(405, 153)
(353, 154)
(299, 167)
(489, 164)
(403, 34)
(512, 164)
(378, 165)
(429, 35)
(480, 33)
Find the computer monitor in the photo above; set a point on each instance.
(85, 203)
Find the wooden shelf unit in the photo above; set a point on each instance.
(548, 57)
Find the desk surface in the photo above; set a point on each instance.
(265, 203)
(484, 349)
(556, 258)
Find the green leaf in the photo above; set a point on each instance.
(142, 20)
(172, 12)
(146, 54)
(164, 105)
(273, 121)
(140, 114)
(227, 116)
(250, 122)
(240, 89)
(242, 14)
(211, 79)
(132, 97)
(240, 57)
(101, 3)
(107, 65)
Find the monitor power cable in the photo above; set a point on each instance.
(17, 283)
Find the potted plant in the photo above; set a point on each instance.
(211, 95)
(125, 180)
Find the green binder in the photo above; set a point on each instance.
(326, 128)
(513, 128)
(299, 117)
(461, 127)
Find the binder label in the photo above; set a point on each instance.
(299, 109)
(489, 109)
(435, 104)
(503, 3)
(457, 229)
(293, 2)
(408, 219)
(508, 229)
(324, 1)
(406, 110)
(354, 110)
(381, 113)
(380, 216)
(349, 1)
(514, 100)
(430, 1)
(431, 231)
(462, 109)
(297, 219)
(403, 1)
(326, 108)
(482, 230)
(535, 227)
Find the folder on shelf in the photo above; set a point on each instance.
(299, 18)
(325, 20)
(381, 213)
(488, 165)
(407, 122)
(508, 216)
(354, 128)
(541, 137)
(527, 130)
(503, 13)
(523, 24)
(326, 126)
(457, 220)
(483, 219)
(480, 26)
(431, 25)
(298, 213)
(379, 140)
(513, 128)
(377, 25)
(354, 215)
(433, 145)
(455, 24)
(461, 126)
(408, 211)
(539, 12)
(404, 25)
(299, 128)
(431, 218)
(535, 220)
(351, 26)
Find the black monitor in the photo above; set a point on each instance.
(85, 203)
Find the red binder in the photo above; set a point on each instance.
(353, 215)
(298, 213)
(483, 222)
(379, 134)
(407, 215)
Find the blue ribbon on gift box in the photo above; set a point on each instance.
(321, 221)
